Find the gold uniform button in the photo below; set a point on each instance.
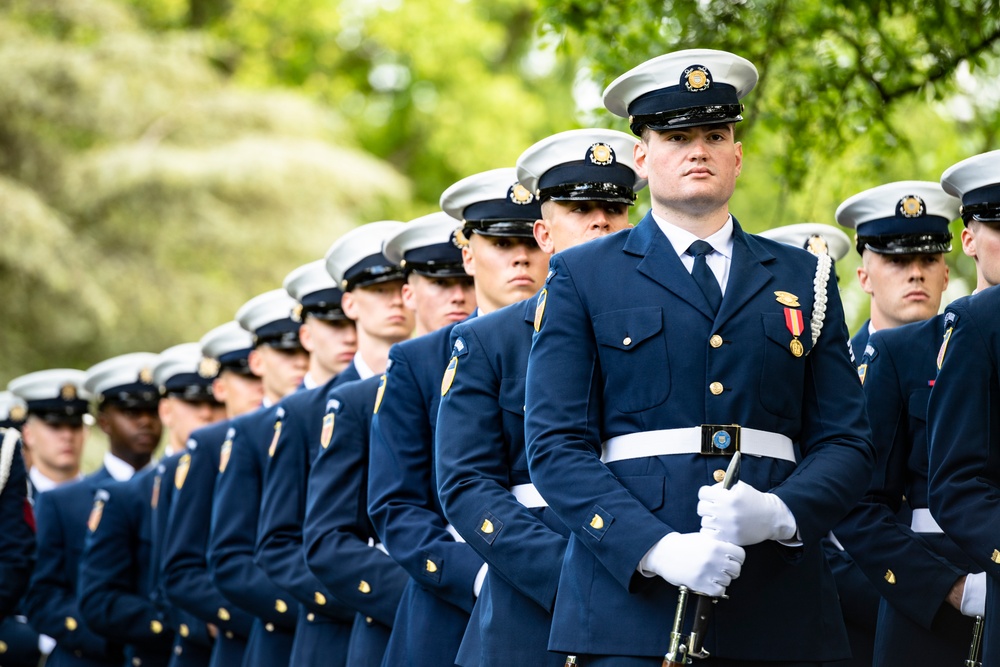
(364, 587)
(369, 620)
(136, 661)
(310, 617)
(229, 634)
(3, 647)
(185, 630)
(156, 627)
(280, 606)
(269, 627)
(71, 623)
(320, 598)
(716, 388)
(719, 475)
(223, 614)
(715, 341)
(627, 341)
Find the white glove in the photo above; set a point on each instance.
(743, 515)
(697, 561)
(477, 585)
(974, 595)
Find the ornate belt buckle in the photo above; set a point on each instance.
(720, 439)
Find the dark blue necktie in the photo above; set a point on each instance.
(703, 275)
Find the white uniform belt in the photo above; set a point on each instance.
(690, 441)
(923, 522)
(528, 495)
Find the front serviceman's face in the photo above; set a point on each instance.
(904, 288)
(691, 170)
(565, 224)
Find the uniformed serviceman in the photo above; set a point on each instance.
(445, 574)
(324, 626)
(340, 541)
(327, 334)
(964, 407)
(186, 404)
(726, 341)
(902, 252)
(116, 566)
(53, 432)
(902, 235)
(437, 288)
(917, 571)
(127, 415)
(585, 181)
(280, 361)
(51, 419)
(188, 586)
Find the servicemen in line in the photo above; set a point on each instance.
(918, 572)
(902, 235)
(964, 408)
(445, 574)
(585, 181)
(341, 544)
(727, 342)
(280, 361)
(128, 417)
(187, 583)
(324, 625)
(52, 426)
(902, 254)
(186, 404)
(116, 577)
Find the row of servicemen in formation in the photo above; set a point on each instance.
(347, 471)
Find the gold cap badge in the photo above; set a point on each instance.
(520, 195)
(146, 376)
(208, 367)
(601, 154)
(68, 392)
(911, 206)
(696, 78)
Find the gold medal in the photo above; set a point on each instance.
(796, 347)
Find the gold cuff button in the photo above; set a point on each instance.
(320, 598)
(310, 617)
(280, 606)
(156, 627)
(223, 614)
(71, 623)
(269, 627)
(184, 630)
(364, 587)
(3, 647)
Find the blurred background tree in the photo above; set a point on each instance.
(162, 161)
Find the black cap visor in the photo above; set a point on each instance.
(906, 244)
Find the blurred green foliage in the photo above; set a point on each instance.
(162, 161)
